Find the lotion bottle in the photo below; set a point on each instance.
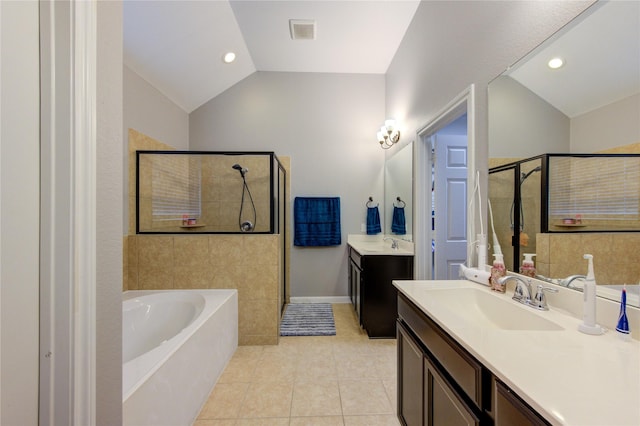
(528, 268)
(498, 270)
(589, 325)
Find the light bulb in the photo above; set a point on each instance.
(229, 57)
(555, 63)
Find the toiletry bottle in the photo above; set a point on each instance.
(528, 268)
(623, 322)
(498, 271)
(589, 325)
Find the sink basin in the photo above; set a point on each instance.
(487, 310)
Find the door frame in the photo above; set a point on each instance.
(463, 102)
(67, 390)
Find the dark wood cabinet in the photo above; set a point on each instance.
(410, 385)
(510, 410)
(441, 384)
(443, 404)
(372, 292)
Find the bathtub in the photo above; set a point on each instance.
(175, 345)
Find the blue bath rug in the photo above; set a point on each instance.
(308, 319)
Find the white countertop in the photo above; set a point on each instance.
(569, 377)
(379, 245)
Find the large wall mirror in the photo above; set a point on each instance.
(398, 193)
(590, 104)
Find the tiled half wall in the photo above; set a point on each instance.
(248, 263)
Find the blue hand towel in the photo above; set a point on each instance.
(373, 221)
(317, 221)
(398, 224)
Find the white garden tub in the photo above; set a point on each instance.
(175, 345)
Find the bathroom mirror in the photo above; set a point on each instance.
(398, 193)
(590, 104)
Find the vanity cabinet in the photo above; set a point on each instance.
(440, 383)
(372, 293)
(511, 410)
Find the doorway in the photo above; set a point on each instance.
(449, 199)
(442, 193)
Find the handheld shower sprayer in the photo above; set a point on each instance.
(241, 169)
(247, 225)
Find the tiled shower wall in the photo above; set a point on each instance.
(614, 256)
(250, 263)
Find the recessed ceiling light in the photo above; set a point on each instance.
(555, 63)
(229, 57)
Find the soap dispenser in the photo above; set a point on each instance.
(498, 270)
(528, 268)
(589, 325)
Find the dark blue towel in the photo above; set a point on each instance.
(317, 221)
(373, 221)
(398, 224)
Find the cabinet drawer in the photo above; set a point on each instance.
(462, 367)
(355, 257)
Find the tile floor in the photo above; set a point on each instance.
(346, 379)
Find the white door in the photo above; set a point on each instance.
(450, 198)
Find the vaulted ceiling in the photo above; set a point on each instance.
(178, 46)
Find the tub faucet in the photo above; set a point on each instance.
(522, 293)
(394, 243)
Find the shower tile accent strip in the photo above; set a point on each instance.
(249, 264)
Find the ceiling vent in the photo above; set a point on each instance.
(302, 29)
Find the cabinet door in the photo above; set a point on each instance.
(410, 386)
(511, 410)
(355, 279)
(443, 407)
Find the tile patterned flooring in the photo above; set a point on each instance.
(347, 379)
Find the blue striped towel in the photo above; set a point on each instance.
(317, 221)
(373, 221)
(398, 223)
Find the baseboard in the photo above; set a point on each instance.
(321, 299)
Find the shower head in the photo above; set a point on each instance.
(241, 169)
(524, 176)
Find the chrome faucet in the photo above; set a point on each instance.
(522, 293)
(540, 301)
(394, 243)
(571, 278)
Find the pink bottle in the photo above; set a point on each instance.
(528, 268)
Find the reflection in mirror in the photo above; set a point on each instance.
(398, 183)
(522, 214)
(589, 105)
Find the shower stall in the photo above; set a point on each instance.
(209, 192)
(234, 200)
(563, 194)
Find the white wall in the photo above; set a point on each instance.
(19, 212)
(148, 111)
(327, 124)
(611, 126)
(109, 206)
(450, 45)
(522, 124)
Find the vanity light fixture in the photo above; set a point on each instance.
(555, 63)
(388, 134)
(229, 57)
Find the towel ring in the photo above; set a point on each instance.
(400, 201)
(370, 202)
